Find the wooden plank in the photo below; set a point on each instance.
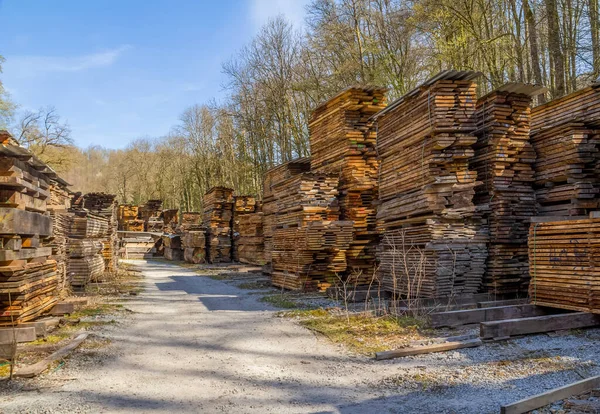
(538, 324)
(464, 317)
(14, 221)
(8, 335)
(63, 308)
(548, 397)
(427, 349)
(39, 367)
(507, 302)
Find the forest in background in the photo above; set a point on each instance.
(283, 73)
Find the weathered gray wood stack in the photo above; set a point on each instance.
(433, 241)
(58, 206)
(105, 205)
(84, 247)
(343, 142)
(217, 216)
(565, 134)
(504, 160)
(28, 278)
(273, 177)
(242, 205)
(173, 249)
(194, 246)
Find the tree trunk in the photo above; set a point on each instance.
(558, 59)
(534, 48)
(595, 33)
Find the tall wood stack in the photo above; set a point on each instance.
(84, 247)
(273, 177)
(105, 205)
(150, 214)
(190, 220)
(194, 246)
(504, 160)
(343, 141)
(242, 205)
(309, 244)
(565, 134)
(562, 263)
(28, 278)
(433, 241)
(251, 242)
(127, 214)
(217, 217)
(58, 205)
(170, 219)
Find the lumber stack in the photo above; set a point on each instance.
(194, 246)
(84, 247)
(105, 205)
(251, 243)
(273, 177)
(504, 160)
(139, 245)
(565, 134)
(127, 213)
(58, 205)
(433, 242)
(150, 212)
(217, 216)
(173, 249)
(562, 264)
(242, 205)
(29, 284)
(190, 220)
(170, 219)
(343, 141)
(309, 243)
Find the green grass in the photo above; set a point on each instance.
(280, 301)
(360, 333)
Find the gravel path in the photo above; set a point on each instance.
(194, 344)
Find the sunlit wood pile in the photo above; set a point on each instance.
(84, 247)
(194, 246)
(433, 242)
(343, 142)
(504, 160)
(173, 249)
(126, 214)
(170, 221)
(105, 205)
(565, 134)
(242, 205)
(217, 217)
(29, 283)
(250, 244)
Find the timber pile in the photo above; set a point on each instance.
(29, 284)
(242, 205)
(433, 241)
(343, 141)
(251, 243)
(126, 214)
(173, 249)
(139, 245)
(84, 247)
(194, 246)
(566, 137)
(58, 206)
(562, 264)
(105, 205)
(170, 220)
(309, 244)
(217, 216)
(190, 220)
(150, 212)
(275, 176)
(504, 160)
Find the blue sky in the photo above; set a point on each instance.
(118, 70)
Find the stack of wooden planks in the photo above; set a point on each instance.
(269, 205)
(148, 211)
(242, 205)
(251, 243)
(343, 141)
(433, 242)
(190, 220)
(194, 246)
(127, 213)
(29, 284)
(503, 161)
(139, 245)
(58, 206)
(217, 216)
(173, 249)
(105, 205)
(170, 219)
(87, 231)
(565, 134)
(562, 264)
(309, 244)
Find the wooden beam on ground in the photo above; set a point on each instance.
(465, 317)
(507, 302)
(538, 324)
(39, 367)
(8, 335)
(63, 308)
(548, 397)
(427, 349)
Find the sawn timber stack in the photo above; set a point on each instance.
(218, 211)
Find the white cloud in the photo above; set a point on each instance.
(293, 10)
(28, 66)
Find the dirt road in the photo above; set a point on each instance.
(195, 344)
